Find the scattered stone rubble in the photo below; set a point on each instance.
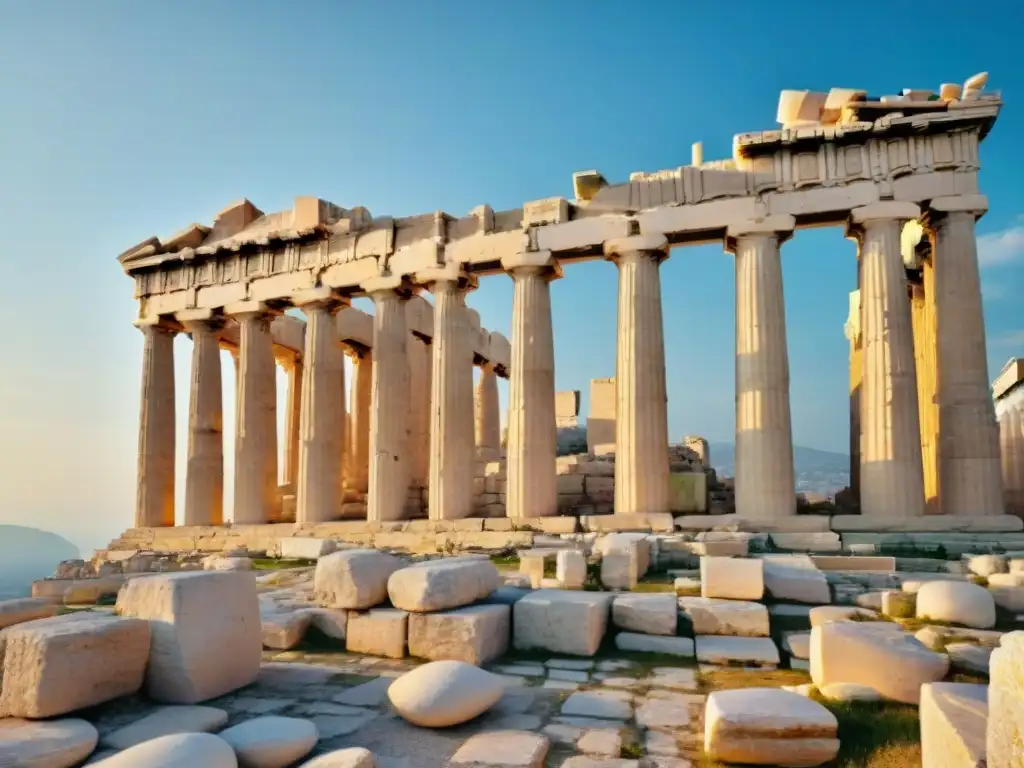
(543, 663)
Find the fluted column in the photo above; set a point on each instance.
(322, 425)
(420, 358)
(531, 489)
(1011, 444)
(292, 420)
(256, 495)
(204, 478)
(765, 485)
(359, 421)
(154, 500)
(922, 305)
(641, 420)
(891, 476)
(853, 335)
(452, 450)
(389, 412)
(970, 476)
(487, 414)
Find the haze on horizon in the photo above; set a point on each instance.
(125, 120)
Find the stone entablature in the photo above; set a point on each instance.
(871, 165)
(816, 175)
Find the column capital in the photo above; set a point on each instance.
(532, 262)
(976, 204)
(396, 284)
(780, 227)
(782, 224)
(199, 319)
(652, 243)
(317, 298)
(451, 272)
(157, 325)
(887, 209)
(242, 309)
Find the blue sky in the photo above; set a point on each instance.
(122, 120)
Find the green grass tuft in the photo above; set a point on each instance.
(279, 564)
(875, 734)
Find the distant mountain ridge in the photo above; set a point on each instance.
(27, 554)
(816, 471)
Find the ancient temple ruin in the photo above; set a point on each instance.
(924, 435)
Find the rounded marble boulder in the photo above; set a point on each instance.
(445, 693)
(181, 750)
(353, 757)
(959, 602)
(271, 742)
(51, 744)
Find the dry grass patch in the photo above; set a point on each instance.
(725, 678)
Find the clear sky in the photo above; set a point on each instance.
(122, 119)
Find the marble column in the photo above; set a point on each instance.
(359, 421)
(853, 335)
(452, 450)
(487, 414)
(765, 483)
(293, 418)
(641, 398)
(970, 475)
(420, 359)
(1011, 444)
(922, 307)
(531, 489)
(154, 500)
(322, 426)
(389, 412)
(256, 494)
(204, 478)
(891, 476)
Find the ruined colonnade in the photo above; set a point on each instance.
(923, 429)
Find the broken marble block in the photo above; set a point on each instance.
(768, 726)
(954, 718)
(25, 609)
(437, 585)
(795, 578)
(206, 632)
(476, 634)
(733, 578)
(725, 617)
(378, 632)
(60, 664)
(561, 621)
(876, 654)
(620, 569)
(354, 578)
(1005, 733)
(283, 630)
(646, 613)
(571, 568)
(958, 602)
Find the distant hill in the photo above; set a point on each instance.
(816, 471)
(27, 554)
